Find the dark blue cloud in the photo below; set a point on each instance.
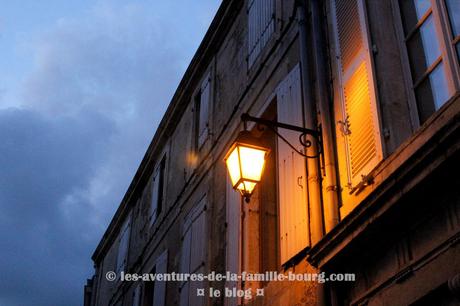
(44, 160)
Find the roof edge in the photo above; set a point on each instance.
(214, 36)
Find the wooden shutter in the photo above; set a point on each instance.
(359, 124)
(159, 291)
(193, 257)
(233, 248)
(155, 195)
(261, 25)
(123, 245)
(205, 96)
(185, 262)
(294, 235)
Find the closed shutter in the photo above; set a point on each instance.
(123, 245)
(359, 124)
(294, 235)
(233, 217)
(261, 25)
(185, 263)
(155, 196)
(198, 252)
(159, 291)
(193, 258)
(205, 96)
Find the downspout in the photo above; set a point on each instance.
(313, 169)
(330, 191)
(330, 197)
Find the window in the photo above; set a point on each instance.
(201, 109)
(157, 190)
(193, 255)
(453, 9)
(428, 54)
(123, 245)
(261, 25)
(155, 292)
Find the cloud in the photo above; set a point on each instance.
(82, 120)
(43, 161)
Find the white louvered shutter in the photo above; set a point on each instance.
(359, 124)
(205, 96)
(233, 217)
(261, 26)
(294, 235)
(193, 256)
(159, 291)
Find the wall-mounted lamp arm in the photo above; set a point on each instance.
(304, 131)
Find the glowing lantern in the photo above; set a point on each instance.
(245, 163)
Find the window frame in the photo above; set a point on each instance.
(441, 23)
(450, 42)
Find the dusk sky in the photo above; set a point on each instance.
(83, 86)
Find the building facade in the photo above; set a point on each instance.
(378, 198)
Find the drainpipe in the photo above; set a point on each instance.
(330, 197)
(313, 169)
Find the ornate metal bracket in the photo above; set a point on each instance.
(306, 143)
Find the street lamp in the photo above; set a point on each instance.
(245, 163)
(246, 157)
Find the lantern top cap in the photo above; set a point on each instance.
(245, 138)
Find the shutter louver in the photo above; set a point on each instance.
(361, 140)
(359, 107)
(294, 235)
